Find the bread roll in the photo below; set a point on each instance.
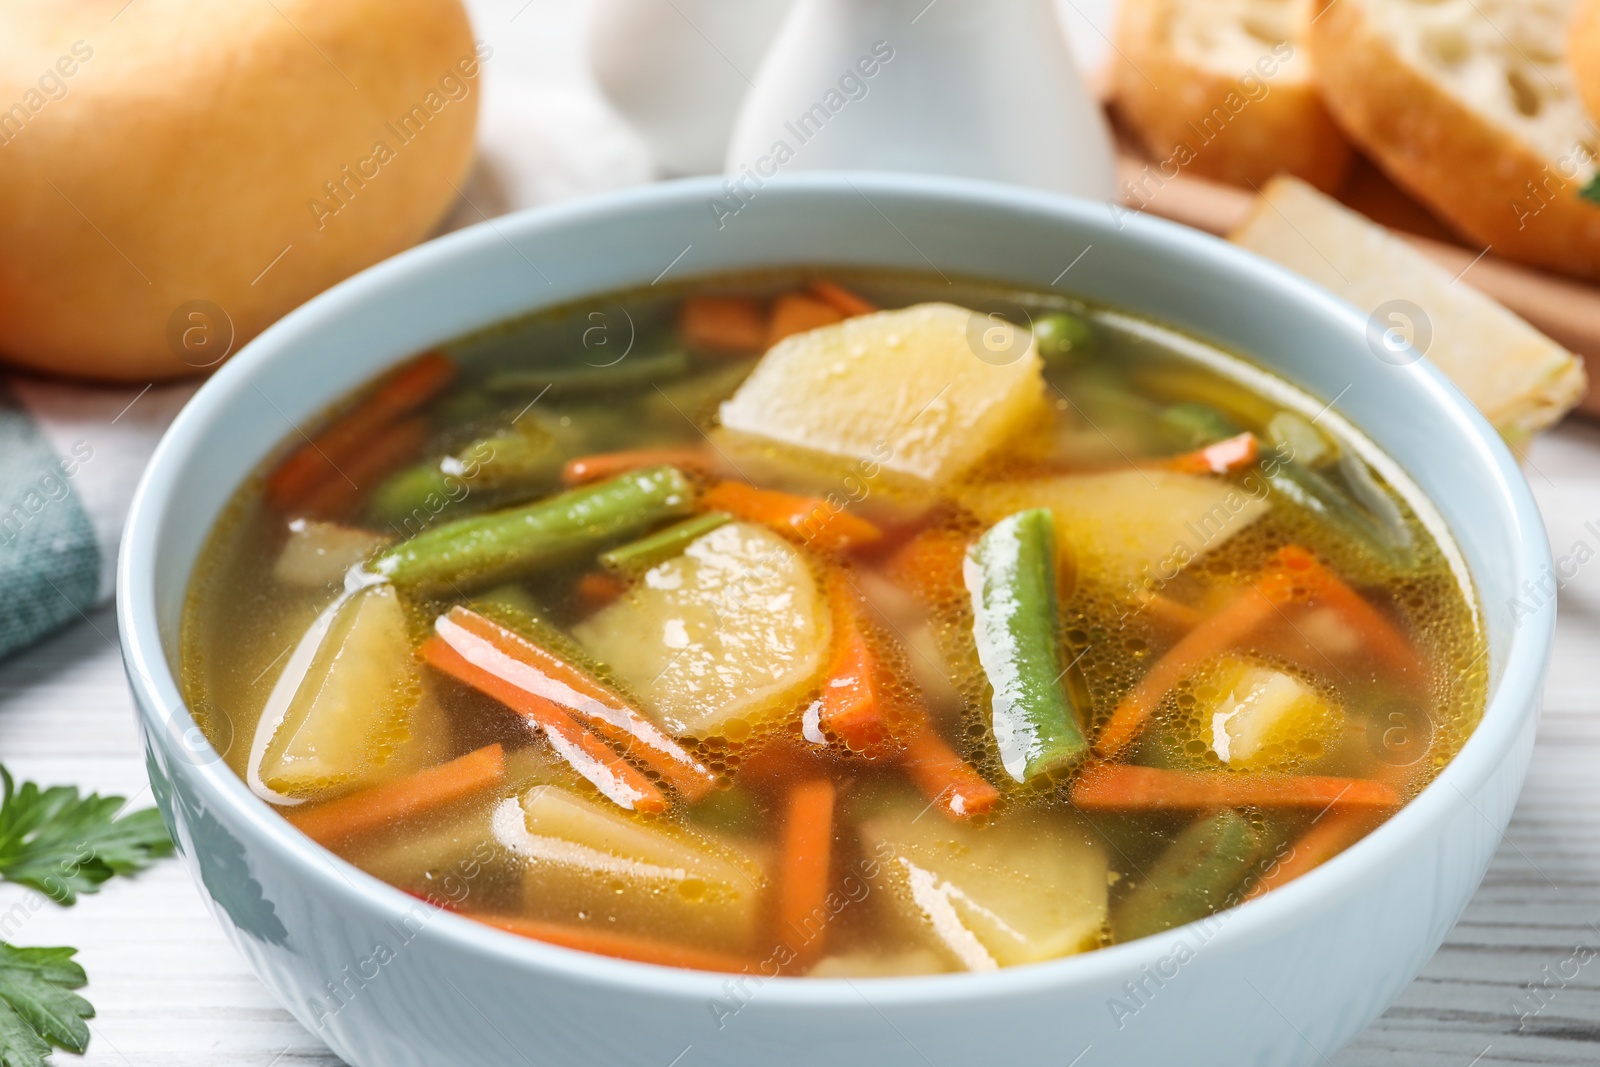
(177, 174)
(1470, 106)
(1218, 88)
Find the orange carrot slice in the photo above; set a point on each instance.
(395, 446)
(415, 794)
(403, 392)
(728, 325)
(945, 778)
(843, 300)
(597, 590)
(616, 945)
(794, 314)
(929, 566)
(806, 868)
(1224, 457)
(1218, 633)
(519, 663)
(1121, 787)
(587, 469)
(616, 779)
(1328, 837)
(807, 519)
(1379, 636)
(860, 704)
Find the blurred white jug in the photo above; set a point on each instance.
(678, 69)
(979, 88)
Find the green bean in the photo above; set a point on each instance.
(487, 548)
(1199, 425)
(733, 811)
(1306, 488)
(646, 552)
(694, 397)
(1196, 876)
(573, 381)
(1011, 575)
(1062, 337)
(521, 458)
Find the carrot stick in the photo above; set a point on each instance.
(945, 778)
(843, 300)
(1223, 457)
(730, 325)
(401, 393)
(859, 705)
(617, 945)
(617, 779)
(929, 566)
(394, 447)
(794, 314)
(1328, 837)
(587, 469)
(1122, 787)
(1255, 605)
(805, 863)
(372, 809)
(597, 590)
(526, 667)
(807, 519)
(1380, 636)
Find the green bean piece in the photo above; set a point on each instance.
(485, 549)
(695, 397)
(574, 381)
(522, 457)
(423, 489)
(1011, 576)
(1199, 874)
(1308, 489)
(1198, 425)
(734, 811)
(641, 555)
(1062, 337)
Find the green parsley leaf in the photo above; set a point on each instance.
(62, 844)
(1591, 192)
(37, 1006)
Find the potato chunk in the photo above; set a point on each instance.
(1019, 891)
(905, 389)
(335, 720)
(317, 554)
(1128, 529)
(716, 640)
(1265, 718)
(591, 865)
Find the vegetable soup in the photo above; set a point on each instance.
(833, 625)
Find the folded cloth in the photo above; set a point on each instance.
(70, 456)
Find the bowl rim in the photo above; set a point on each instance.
(1514, 701)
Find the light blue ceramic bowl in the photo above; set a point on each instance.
(387, 981)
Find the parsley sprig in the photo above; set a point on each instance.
(62, 844)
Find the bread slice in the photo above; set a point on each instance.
(1217, 88)
(1471, 107)
(1521, 380)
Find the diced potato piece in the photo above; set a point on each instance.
(878, 965)
(350, 712)
(1266, 718)
(714, 641)
(1128, 529)
(1020, 891)
(591, 865)
(452, 862)
(317, 554)
(906, 389)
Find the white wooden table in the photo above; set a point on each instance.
(171, 993)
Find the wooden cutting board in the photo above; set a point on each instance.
(1567, 310)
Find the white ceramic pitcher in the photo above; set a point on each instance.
(979, 88)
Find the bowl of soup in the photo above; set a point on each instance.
(896, 621)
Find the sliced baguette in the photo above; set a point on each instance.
(1470, 106)
(1217, 88)
(1521, 380)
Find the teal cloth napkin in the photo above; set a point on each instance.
(70, 457)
